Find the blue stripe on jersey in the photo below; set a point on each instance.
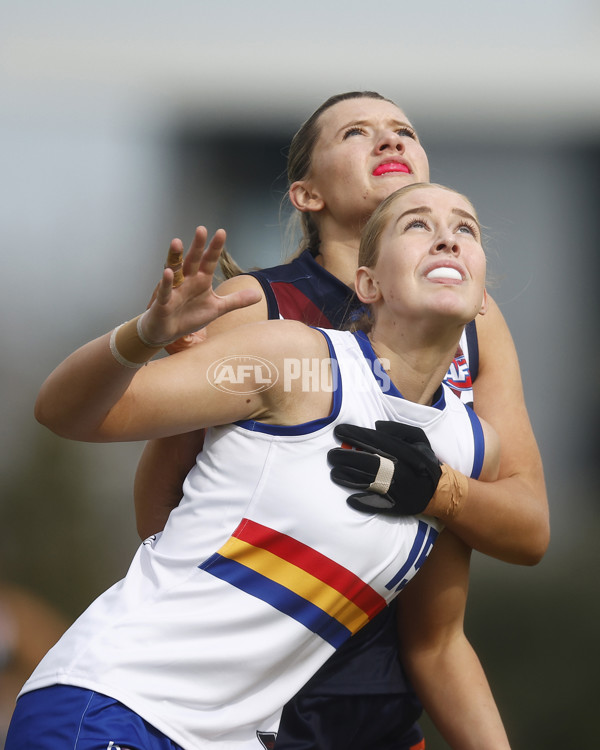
(479, 443)
(412, 555)
(368, 353)
(439, 400)
(279, 597)
(306, 427)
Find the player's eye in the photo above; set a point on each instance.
(467, 227)
(354, 130)
(416, 224)
(405, 131)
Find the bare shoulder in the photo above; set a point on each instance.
(241, 281)
(250, 314)
(273, 339)
(291, 338)
(284, 348)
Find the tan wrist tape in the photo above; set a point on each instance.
(175, 263)
(450, 494)
(128, 348)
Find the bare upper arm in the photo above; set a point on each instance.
(491, 461)
(431, 608)
(499, 399)
(181, 393)
(165, 463)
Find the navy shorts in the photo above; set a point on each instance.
(62, 717)
(351, 722)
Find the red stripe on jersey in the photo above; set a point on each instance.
(308, 559)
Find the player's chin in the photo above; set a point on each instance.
(453, 307)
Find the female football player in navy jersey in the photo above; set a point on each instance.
(351, 153)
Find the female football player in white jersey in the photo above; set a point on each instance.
(228, 612)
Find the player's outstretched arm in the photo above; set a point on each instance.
(76, 398)
(165, 462)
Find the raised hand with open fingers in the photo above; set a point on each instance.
(184, 300)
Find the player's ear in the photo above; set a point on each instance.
(366, 286)
(304, 197)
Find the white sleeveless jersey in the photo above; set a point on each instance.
(261, 572)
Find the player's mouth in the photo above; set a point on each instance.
(391, 167)
(445, 273)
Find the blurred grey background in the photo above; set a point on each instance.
(126, 123)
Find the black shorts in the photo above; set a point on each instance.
(351, 722)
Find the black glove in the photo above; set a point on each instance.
(408, 478)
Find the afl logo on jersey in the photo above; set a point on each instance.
(458, 376)
(242, 374)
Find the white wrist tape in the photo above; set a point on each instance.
(127, 347)
(117, 354)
